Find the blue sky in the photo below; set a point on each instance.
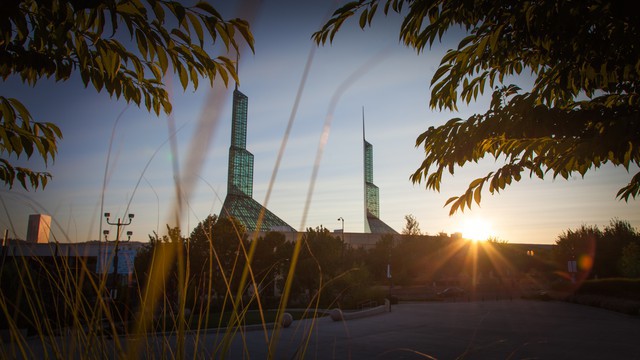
(394, 92)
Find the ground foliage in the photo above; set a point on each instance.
(615, 287)
(583, 110)
(630, 260)
(123, 47)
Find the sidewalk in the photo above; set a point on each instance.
(473, 330)
(441, 330)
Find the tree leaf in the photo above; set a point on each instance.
(142, 43)
(182, 72)
(197, 27)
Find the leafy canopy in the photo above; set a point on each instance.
(123, 47)
(583, 110)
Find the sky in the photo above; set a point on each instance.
(368, 71)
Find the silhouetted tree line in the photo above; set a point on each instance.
(212, 261)
(611, 252)
(328, 271)
(215, 258)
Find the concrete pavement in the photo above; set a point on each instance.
(463, 330)
(516, 329)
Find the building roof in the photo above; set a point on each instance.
(247, 211)
(377, 226)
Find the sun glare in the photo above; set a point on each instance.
(476, 229)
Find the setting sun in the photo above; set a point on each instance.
(476, 229)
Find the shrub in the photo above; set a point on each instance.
(618, 288)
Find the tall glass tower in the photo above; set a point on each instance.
(372, 222)
(240, 176)
(239, 202)
(371, 191)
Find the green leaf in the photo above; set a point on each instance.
(197, 27)
(157, 72)
(224, 35)
(27, 145)
(158, 11)
(181, 35)
(477, 195)
(476, 183)
(7, 111)
(22, 179)
(450, 200)
(24, 113)
(16, 144)
(245, 31)
(142, 43)
(182, 72)
(469, 198)
(208, 8)
(97, 81)
(372, 12)
(177, 9)
(127, 8)
(363, 18)
(162, 59)
(194, 77)
(440, 72)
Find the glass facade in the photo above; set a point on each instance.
(239, 202)
(372, 200)
(372, 223)
(240, 176)
(368, 162)
(248, 212)
(239, 120)
(371, 191)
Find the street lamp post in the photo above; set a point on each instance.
(343, 244)
(390, 279)
(119, 224)
(341, 219)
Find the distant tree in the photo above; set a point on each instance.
(320, 261)
(216, 247)
(174, 235)
(200, 249)
(630, 260)
(407, 261)
(494, 240)
(597, 251)
(159, 254)
(411, 227)
(271, 257)
(380, 256)
(145, 255)
(609, 248)
(124, 47)
(578, 245)
(583, 110)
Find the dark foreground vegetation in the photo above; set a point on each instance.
(621, 295)
(219, 277)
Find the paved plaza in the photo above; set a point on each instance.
(464, 330)
(516, 329)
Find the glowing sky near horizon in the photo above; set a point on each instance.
(394, 92)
